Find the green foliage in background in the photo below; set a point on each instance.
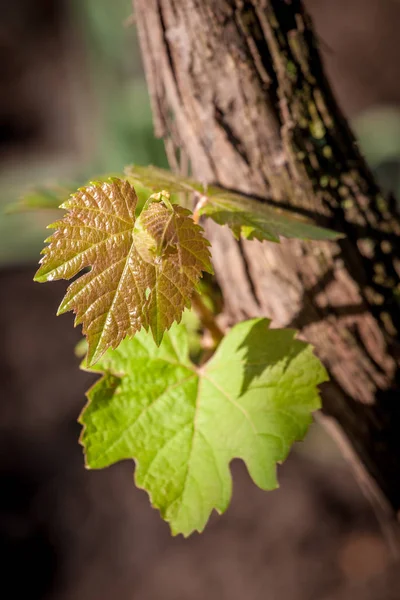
(119, 127)
(126, 132)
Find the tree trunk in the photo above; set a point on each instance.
(239, 87)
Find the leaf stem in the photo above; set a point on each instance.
(202, 201)
(207, 318)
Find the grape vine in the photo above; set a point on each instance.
(181, 419)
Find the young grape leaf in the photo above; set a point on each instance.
(46, 197)
(245, 216)
(51, 196)
(155, 178)
(143, 271)
(183, 425)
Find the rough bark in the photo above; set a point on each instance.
(238, 85)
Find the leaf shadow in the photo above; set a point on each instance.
(260, 355)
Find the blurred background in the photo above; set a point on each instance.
(73, 105)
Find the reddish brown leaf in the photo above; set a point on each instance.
(142, 271)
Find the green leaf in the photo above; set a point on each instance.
(184, 424)
(155, 178)
(46, 197)
(143, 271)
(245, 216)
(52, 195)
(253, 220)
